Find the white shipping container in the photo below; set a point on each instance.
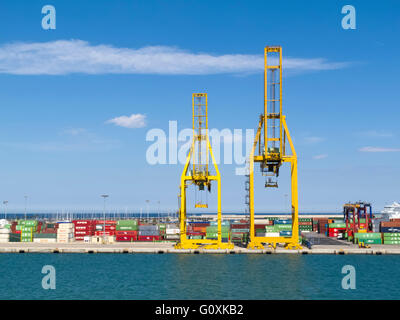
(65, 226)
(96, 239)
(4, 240)
(272, 234)
(172, 231)
(4, 231)
(63, 241)
(45, 240)
(65, 236)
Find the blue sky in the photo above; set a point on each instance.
(340, 97)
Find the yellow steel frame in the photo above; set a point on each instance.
(197, 177)
(269, 157)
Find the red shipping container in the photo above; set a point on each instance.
(84, 227)
(126, 233)
(195, 233)
(125, 238)
(199, 229)
(104, 233)
(82, 222)
(111, 222)
(149, 238)
(83, 233)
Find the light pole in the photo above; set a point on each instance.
(105, 196)
(26, 200)
(5, 202)
(148, 214)
(286, 204)
(158, 210)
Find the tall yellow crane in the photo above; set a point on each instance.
(200, 177)
(271, 138)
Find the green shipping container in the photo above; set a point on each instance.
(337, 225)
(26, 234)
(370, 235)
(127, 223)
(370, 241)
(283, 227)
(387, 241)
(240, 230)
(44, 235)
(29, 223)
(215, 235)
(391, 235)
(212, 229)
(127, 228)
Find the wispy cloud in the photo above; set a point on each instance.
(376, 134)
(74, 140)
(320, 156)
(313, 140)
(132, 121)
(378, 149)
(76, 56)
(73, 131)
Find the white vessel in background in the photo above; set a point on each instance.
(391, 211)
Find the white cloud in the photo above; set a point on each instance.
(74, 131)
(313, 140)
(376, 134)
(77, 56)
(132, 121)
(320, 156)
(378, 149)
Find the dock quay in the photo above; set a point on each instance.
(160, 248)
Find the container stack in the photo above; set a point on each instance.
(240, 232)
(368, 238)
(47, 233)
(65, 232)
(126, 230)
(26, 234)
(149, 233)
(197, 230)
(391, 238)
(392, 226)
(322, 225)
(212, 232)
(172, 232)
(336, 229)
(284, 227)
(305, 224)
(109, 227)
(5, 234)
(83, 228)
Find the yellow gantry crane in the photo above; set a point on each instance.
(199, 176)
(270, 142)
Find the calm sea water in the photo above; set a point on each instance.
(204, 276)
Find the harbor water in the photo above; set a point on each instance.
(203, 276)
